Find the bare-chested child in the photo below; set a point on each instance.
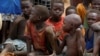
(17, 32)
(73, 35)
(37, 30)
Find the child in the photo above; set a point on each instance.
(70, 10)
(72, 38)
(19, 24)
(96, 29)
(17, 32)
(36, 30)
(56, 18)
(89, 38)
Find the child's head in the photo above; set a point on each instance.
(39, 13)
(96, 4)
(70, 10)
(57, 8)
(92, 16)
(71, 22)
(26, 7)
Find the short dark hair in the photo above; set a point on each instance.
(68, 8)
(93, 11)
(26, 1)
(42, 11)
(56, 1)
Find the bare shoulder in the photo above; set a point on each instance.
(49, 29)
(96, 26)
(18, 19)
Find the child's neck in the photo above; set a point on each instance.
(26, 17)
(55, 19)
(39, 26)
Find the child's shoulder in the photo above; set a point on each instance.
(96, 26)
(19, 18)
(49, 28)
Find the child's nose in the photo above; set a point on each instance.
(57, 11)
(25, 9)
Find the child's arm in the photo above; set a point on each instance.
(81, 41)
(15, 27)
(50, 36)
(96, 47)
(62, 44)
(53, 40)
(28, 37)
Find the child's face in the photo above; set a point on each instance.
(91, 17)
(67, 26)
(71, 11)
(96, 4)
(34, 16)
(57, 9)
(26, 7)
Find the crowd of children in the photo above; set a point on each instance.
(42, 32)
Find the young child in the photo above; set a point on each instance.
(16, 34)
(70, 10)
(56, 18)
(72, 38)
(19, 23)
(36, 30)
(96, 29)
(89, 38)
